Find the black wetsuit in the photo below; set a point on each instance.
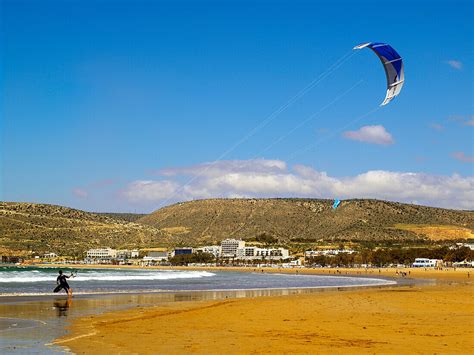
(62, 280)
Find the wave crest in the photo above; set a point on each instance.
(104, 277)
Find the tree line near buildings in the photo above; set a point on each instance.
(376, 257)
(207, 258)
(392, 256)
(194, 258)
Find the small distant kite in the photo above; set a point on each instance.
(336, 203)
(393, 65)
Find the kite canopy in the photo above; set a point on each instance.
(336, 203)
(393, 65)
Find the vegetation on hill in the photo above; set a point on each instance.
(27, 228)
(40, 228)
(306, 220)
(127, 217)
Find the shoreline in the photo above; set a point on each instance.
(381, 280)
(372, 319)
(37, 310)
(4, 298)
(387, 274)
(417, 273)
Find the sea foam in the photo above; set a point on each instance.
(28, 277)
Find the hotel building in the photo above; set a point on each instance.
(255, 253)
(102, 253)
(229, 247)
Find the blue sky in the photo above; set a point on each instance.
(126, 105)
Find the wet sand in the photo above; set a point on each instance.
(420, 318)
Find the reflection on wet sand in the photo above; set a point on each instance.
(62, 306)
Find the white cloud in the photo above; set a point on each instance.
(455, 64)
(272, 178)
(463, 157)
(91, 189)
(79, 192)
(150, 191)
(226, 166)
(463, 120)
(437, 126)
(370, 134)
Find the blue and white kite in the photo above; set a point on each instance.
(336, 203)
(393, 65)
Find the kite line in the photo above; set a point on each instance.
(313, 116)
(331, 135)
(331, 69)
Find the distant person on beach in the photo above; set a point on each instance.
(61, 282)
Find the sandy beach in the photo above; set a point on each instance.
(431, 318)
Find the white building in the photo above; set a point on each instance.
(126, 254)
(255, 253)
(328, 252)
(246, 252)
(292, 263)
(50, 255)
(464, 263)
(156, 255)
(211, 249)
(103, 253)
(229, 247)
(425, 262)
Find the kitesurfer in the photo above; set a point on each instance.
(61, 282)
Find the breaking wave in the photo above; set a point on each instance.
(32, 276)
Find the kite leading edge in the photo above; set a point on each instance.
(393, 65)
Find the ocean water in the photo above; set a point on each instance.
(24, 281)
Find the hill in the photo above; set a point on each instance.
(127, 217)
(306, 220)
(27, 227)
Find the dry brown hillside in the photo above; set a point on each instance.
(209, 221)
(29, 227)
